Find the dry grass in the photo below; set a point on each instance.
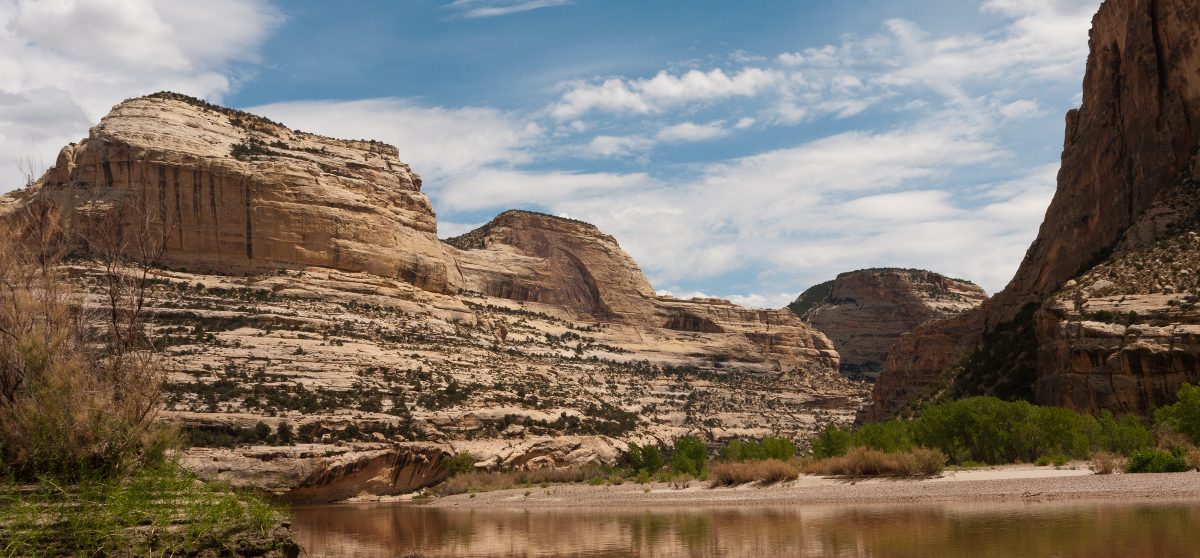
(482, 481)
(768, 471)
(72, 402)
(1106, 463)
(1193, 459)
(866, 462)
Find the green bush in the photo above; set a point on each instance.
(689, 456)
(988, 430)
(284, 433)
(768, 448)
(461, 463)
(1123, 435)
(1184, 415)
(1157, 461)
(889, 437)
(834, 441)
(647, 458)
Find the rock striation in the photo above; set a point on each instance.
(298, 280)
(227, 191)
(864, 312)
(1134, 139)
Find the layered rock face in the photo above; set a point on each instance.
(1126, 335)
(864, 312)
(531, 257)
(1135, 138)
(301, 283)
(227, 191)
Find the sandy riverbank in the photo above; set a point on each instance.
(1000, 484)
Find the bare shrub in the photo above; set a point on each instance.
(768, 471)
(867, 462)
(1193, 459)
(1106, 463)
(72, 403)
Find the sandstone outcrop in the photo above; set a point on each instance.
(317, 473)
(301, 283)
(1134, 138)
(532, 257)
(231, 192)
(1126, 335)
(864, 312)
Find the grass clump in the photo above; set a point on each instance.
(1106, 463)
(159, 511)
(867, 462)
(767, 471)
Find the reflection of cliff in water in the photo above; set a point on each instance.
(984, 531)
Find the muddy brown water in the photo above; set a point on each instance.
(1065, 530)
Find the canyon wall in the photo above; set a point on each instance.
(1135, 137)
(864, 312)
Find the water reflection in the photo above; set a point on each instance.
(1087, 529)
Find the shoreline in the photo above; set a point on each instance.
(1018, 483)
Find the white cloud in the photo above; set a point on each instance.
(1019, 109)
(437, 141)
(690, 132)
(64, 63)
(617, 146)
(505, 189)
(493, 8)
(663, 90)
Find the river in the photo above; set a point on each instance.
(1153, 529)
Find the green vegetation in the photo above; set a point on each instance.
(86, 463)
(811, 297)
(158, 511)
(1184, 415)
(832, 442)
(1005, 366)
(768, 448)
(1173, 460)
(989, 430)
(647, 459)
(689, 457)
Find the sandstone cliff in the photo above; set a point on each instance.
(232, 192)
(1134, 138)
(864, 312)
(301, 283)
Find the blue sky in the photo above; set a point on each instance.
(737, 149)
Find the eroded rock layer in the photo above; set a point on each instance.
(1134, 138)
(864, 312)
(230, 192)
(320, 336)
